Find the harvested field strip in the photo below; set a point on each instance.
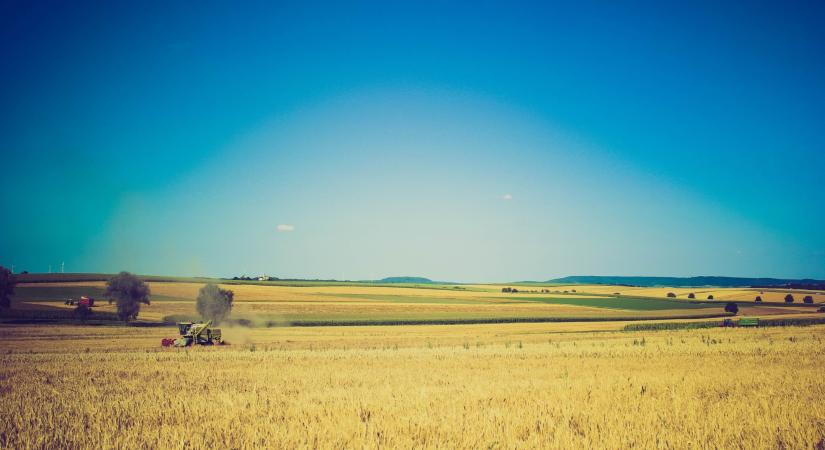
(413, 299)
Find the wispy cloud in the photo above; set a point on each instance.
(283, 228)
(506, 197)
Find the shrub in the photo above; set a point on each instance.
(710, 297)
(7, 282)
(691, 295)
(129, 292)
(808, 299)
(214, 303)
(732, 308)
(758, 298)
(789, 298)
(671, 295)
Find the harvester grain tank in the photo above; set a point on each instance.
(195, 333)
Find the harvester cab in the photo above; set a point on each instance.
(195, 333)
(183, 327)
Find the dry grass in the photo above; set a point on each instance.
(518, 385)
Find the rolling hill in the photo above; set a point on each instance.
(692, 281)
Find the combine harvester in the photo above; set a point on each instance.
(194, 334)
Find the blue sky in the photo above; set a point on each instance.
(459, 141)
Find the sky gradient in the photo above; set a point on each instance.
(466, 142)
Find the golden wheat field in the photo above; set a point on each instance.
(461, 386)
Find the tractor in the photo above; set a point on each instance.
(195, 334)
(83, 301)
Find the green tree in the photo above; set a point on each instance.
(129, 292)
(214, 303)
(7, 282)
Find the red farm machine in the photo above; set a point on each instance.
(82, 301)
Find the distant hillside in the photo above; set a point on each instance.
(694, 281)
(417, 280)
(243, 279)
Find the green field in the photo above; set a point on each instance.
(617, 302)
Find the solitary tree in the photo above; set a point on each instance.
(129, 292)
(732, 308)
(691, 295)
(7, 283)
(214, 303)
(789, 298)
(758, 298)
(710, 297)
(671, 295)
(808, 299)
